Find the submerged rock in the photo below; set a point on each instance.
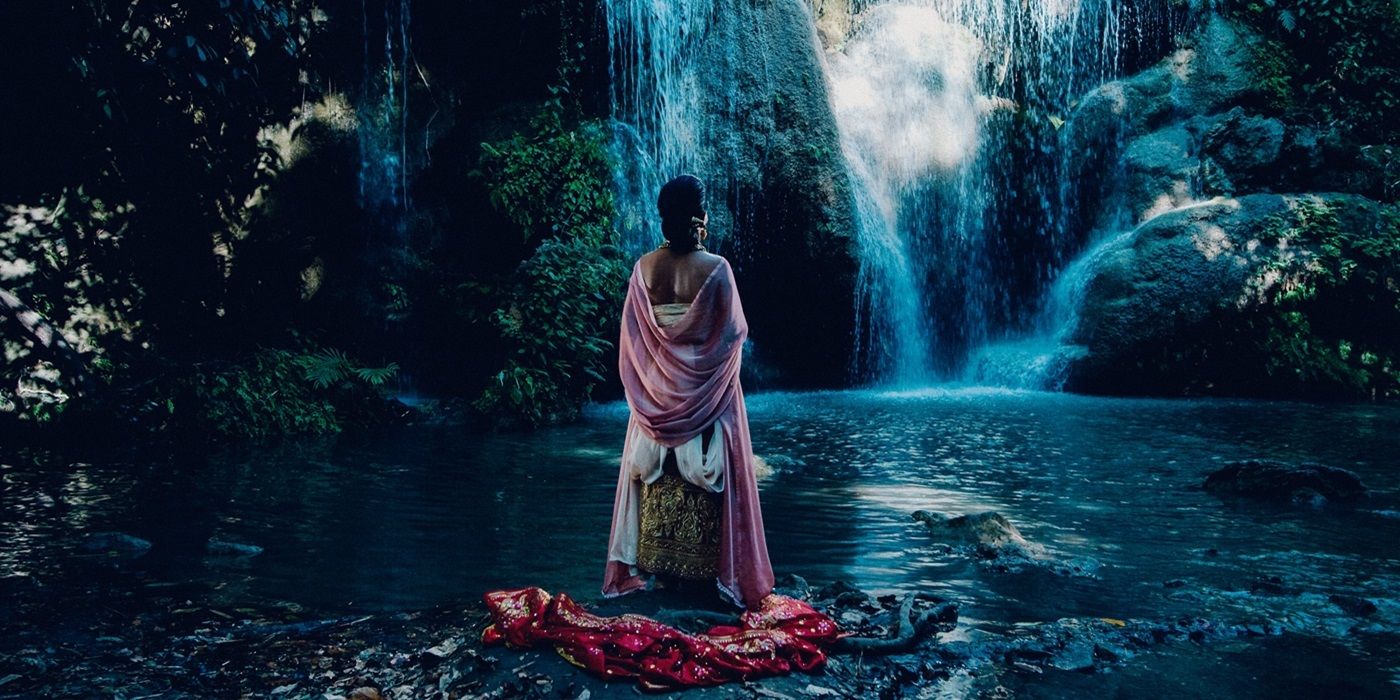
(1304, 484)
(997, 544)
(1353, 605)
(116, 543)
(231, 549)
(989, 529)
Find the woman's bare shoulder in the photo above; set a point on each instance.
(708, 261)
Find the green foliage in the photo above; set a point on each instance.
(1331, 327)
(329, 367)
(553, 180)
(1275, 68)
(1332, 60)
(557, 321)
(266, 397)
(269, 394)
(123, 199)
(558, 314)
(62, 259)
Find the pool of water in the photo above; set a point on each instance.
(418, 516)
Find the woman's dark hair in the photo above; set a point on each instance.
(680, 199)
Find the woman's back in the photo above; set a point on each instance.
(676, 278)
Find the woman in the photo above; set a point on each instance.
(686, 503)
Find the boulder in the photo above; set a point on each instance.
(1196, 300)
(1306, 484)
(1208, 75)
(1133, 141)
(834, 20)
(1159, 168)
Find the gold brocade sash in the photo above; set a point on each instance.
(680, 526)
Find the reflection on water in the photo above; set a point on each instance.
(419, 516)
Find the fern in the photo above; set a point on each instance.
(376, 376)
(325, 368)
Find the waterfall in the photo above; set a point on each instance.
(949, 113)
(383, 113)
(655, 102)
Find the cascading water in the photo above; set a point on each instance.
(383, 110)
(385, 168)
(949, 112)
(655, 103)
(903, 90)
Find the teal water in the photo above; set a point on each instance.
(418, 516)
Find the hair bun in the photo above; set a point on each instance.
(681, 200)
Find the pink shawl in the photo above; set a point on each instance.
(680, 380)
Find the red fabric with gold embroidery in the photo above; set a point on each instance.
(783, 634)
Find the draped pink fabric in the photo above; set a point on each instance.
(680, 380)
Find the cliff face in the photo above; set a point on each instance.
(772, 156)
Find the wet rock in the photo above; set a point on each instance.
(1353, 605)
(793, 586)
(772, 144)
(1077, 655)
(1271, 585)
(1303, 484)
(834, 589)
(1158, 169)
(1174, 306)
(1174, 583)
(851, 599)
(990, 529)
(1241, 152)
(997, 544)
(231, 549)
(116, 543)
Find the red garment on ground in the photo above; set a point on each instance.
(783, 634)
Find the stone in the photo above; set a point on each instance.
(1241, 153)
(117, 543)
(990, 529)
(1078, 655)
(364, 693)
(1310, 484)
(1271, 585)
(793, 586)
(1210, 74)
(1353, 605)
(231, 549)
(997, 544)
